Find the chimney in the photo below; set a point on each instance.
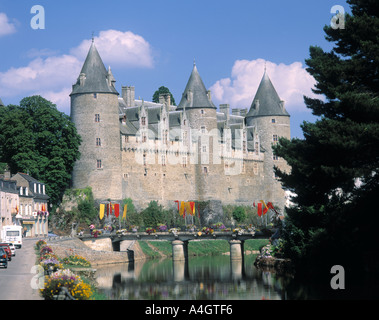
(243, 112)
(7, 174)
(165, 98)
(225, 109)
(235, 112)
(128, 94)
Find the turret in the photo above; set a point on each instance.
(269, 116)
(95, 113)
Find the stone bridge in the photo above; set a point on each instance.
(180, 241)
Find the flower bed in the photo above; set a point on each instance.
(72, 282)
(56, 277)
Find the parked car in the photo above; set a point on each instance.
(3, 258)
(12, 247)
(7, 250)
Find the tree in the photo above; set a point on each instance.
(239, 214)
(153, 214)
(163, 90)
(335, 167)
(36, 138)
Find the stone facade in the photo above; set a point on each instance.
(155, 151)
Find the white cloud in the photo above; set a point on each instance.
(52, 76)
(6, 27)
(291, 82)
(119, 48)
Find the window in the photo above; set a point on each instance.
(144, 159)
(275, 138)
(184, 122)
(163, 158)
(205, 170)
(256, 148)
(143, 121)
(202, 111)
(97, 117)
(274, 157)
(184, 162)
(204, 149)
(202, 129)
(273, 121)
(99, 164)
(95, 95)
(255, 168)
(98, 142)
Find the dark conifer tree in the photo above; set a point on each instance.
(335, 168)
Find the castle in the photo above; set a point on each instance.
(148, 151)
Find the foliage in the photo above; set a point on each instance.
(335, 167)
(239, 214)
(76, 260)
(153, 214)
(163, 90)
(39, 244)
(36, 138)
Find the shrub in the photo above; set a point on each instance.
(76, 260)
(239, 214)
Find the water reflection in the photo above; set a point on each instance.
(211, 277)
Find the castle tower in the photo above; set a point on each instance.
(270, 118)
(95, 113)
(200, 111)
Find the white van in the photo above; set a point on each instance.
(13, 234)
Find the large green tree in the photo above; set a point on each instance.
(163, 90)
(38, 139)
(335, 167)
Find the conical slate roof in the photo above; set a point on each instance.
(96, 75)
(195, 94)
(266, 101)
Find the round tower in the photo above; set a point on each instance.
(271, 120)
(95, 113)
(196, 102)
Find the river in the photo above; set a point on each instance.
(203, 278)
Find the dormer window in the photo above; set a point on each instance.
(143, 121)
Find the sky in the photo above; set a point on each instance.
(150, 43)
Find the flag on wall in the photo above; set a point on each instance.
(192, 205)
(116, 208)
(102, 208)
(259, 209)
(177, 201)
(124, 213)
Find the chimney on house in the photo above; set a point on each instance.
(128, 94)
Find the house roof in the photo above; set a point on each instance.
(266, 101)
(96, 75)
(199, 97)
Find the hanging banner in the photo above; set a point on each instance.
(182, 209)
(259, 209)
(102, 208)
(116, 208)
(192, 205)
(177, 201)
(124, 213)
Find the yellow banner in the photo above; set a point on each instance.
(125, 209)
(102, 209)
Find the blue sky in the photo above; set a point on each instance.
(150, 43)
